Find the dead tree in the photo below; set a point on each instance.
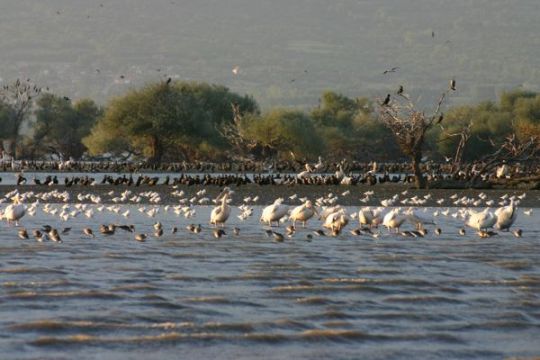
(512, 150)
(20, 97)
(464, 135)
(236, 136)
(409, 127)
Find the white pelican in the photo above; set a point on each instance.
(305, 173)
(274, 212)
(221, 213)
(15, 211)
(506, 216)
(365, 216)
(302, 213)
(481, 220)
(319, 166)
(339, 174)
(393, 220)
(336, 221)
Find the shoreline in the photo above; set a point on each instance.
(268, 193)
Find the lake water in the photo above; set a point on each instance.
(193, 296)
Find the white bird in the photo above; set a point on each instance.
(274, 212)
(506, 216)
(221, 213)
(319, 166)
(15, 211)
(302, 213)
(365, 216)
(481, 220)
(336, 221)
(393, 220)
(339, 174)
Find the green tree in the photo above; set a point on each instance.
(283, 131)
(17, 100)
(350, 129)
(166, 117)
(60, 125)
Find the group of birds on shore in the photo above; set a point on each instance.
(393, 214)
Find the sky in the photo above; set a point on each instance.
(282, 52)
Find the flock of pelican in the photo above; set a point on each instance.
(393, 213)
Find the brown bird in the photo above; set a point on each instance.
(277, 236)
(140, 237)
(89, 232)
(23, 234)
(218, 233)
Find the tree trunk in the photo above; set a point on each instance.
(156, 150)
(419, 180)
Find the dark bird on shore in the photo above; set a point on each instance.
(433, 34)
(453, 84)
(392, 70)
(174, 230)
(438, 231)
(462, 232)
(400, 90)
(218, 233)
(66, 231)
(386, 100)
(169, 81)
(46, 228)
(441, 118)
(158, 232)
(517, 233)
(23, 234)
(122, 77)
(67, 98)
(21, 180)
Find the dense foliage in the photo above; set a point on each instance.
(176, 120)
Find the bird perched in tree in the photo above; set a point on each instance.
(440, 119)
(386, 100)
